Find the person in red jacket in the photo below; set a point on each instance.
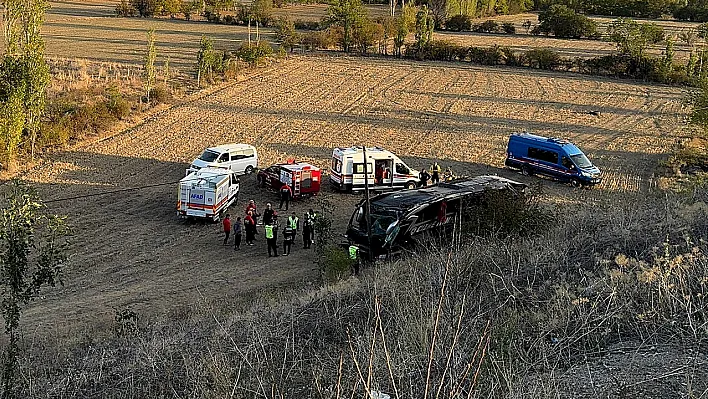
(227, 228)
(251, 207)
(250, 226)
(286, 193)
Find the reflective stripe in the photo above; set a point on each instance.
(293, 222)
(352, 251)
(268, 231)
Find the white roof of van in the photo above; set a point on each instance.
(211, 174)
(356, 150)
(232, 147)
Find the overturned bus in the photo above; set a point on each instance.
(398, 217)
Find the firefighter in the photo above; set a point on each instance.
(271, 235)
(227, 228)
(268, 214)
(354, 257)
(435, 171)
(307, 228)
(286, 193)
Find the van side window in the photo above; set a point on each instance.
(402, 169)
(223, 158)
(566, 162)
(543, 155)
(359, 168)
(236, 157)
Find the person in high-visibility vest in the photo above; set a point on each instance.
(271, 235)
(435, 171)
(294, 223)
(354, 256)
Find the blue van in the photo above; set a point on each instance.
(552, 157)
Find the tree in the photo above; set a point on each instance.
(424, 25)
(149, 65)
(405, 23)
(348, 14)
(205, 58)
(24, 87)
(699, 100)
(633, 38)
(261, 11)
(145, 8)
(172, 7)
(286, 34)
(563, 22)
(32, 251)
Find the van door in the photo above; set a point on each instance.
(569, 166)
(223, 160)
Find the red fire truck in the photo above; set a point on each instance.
(303, 178)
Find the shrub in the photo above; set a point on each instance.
(511, 58)
(543, 58)
(161, 94)
(459, 23)
(335, 263)
(254, 53)
(285, 33)
(563, 22)
(440, 50)
(486, 56)
(117, 105)
(692, 11)
(307, 25)
(125, 9)
(488, 26)
(509, 28)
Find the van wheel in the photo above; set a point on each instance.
(411, 185)
(249, 170)
(526, 171)
(576, 183)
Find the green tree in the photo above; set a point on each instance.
(564, 22)
(633, 38)
(405, 23)
(261, 11)
(286, 34)
(172, 7)
(205, 58)
(347, 14)
(32, 251)
(424, 25)
(149, 64)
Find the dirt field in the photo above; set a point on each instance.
(132, 251)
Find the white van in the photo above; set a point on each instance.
(240, 158)
(385, 170)
(207, 193)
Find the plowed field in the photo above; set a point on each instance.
(132, 251)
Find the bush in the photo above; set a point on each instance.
(488, 26)
(693, 11)
(563, 22)
(441, 50)
(335, 263)
(307, 25)
(543, 58)
(511, 58)
(161, 94)
(254, 53)
(486, 56)
(459, 23)
(125, 9)
(117, 105)
(509, 28)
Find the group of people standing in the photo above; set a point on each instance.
(433, 176)
(271, 226)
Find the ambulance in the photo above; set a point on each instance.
(385, 170)
(207, 193)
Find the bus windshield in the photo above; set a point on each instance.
(379, 221)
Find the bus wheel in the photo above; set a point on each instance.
(411, 185)
(526, 170)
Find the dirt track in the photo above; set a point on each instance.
(131, 249)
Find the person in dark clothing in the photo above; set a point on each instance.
(250, 227)
(237, 234)
(288, 238)
(227, 228)
(286, 193)
(313, 218)
(268, 214)
(307, 228)
(424, 177)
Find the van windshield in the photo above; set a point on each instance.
(209, 156)
(581, 161)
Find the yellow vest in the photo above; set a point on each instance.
(268, 231)
(352, 251)
(293, 222)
